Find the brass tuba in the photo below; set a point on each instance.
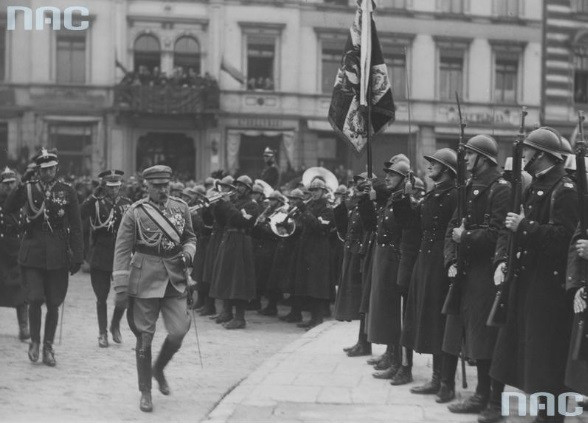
(312, 173)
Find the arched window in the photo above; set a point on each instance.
(187, 54)
(147, 52)
(580, 47)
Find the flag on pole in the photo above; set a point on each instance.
(362, 53)
(232, 70)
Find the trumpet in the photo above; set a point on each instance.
(214, 198)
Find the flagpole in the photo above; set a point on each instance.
(369, 128)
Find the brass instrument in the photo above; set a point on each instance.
(211, 199)
(282, 221)
(312, 173)
(267, 188)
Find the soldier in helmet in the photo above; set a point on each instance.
(51, 247)
(233, 279)
(424, 324)
(271, 173)
(157, 243)
(488, 196)
(105, 209)
(12, 293)
(532, 348)
(312, 278)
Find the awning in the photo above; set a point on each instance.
(323, 125)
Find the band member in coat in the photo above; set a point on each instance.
(51, 247)
(271, 173)
(312, 278)
(532, 347)
(577, 370)
(224, 186)
(488, 197)
(156, 242)
(233, 276)
(424, 324)
(105, 208)
(12, 293)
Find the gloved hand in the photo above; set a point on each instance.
(74, 268)
(186, 260)
(121, 299)
(452, 271)
(579, 301)
(29, 173)
(499, 274)
(99, 191)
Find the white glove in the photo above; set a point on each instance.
(579, 301)
(452, 272)
(245, 214)
(499, 274)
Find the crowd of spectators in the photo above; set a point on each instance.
(180, 77)
(260, 83)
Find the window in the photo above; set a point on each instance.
(395, 57)
(187, 54)
(71, 57)
(506, 76)
(451, 6)
(147, 53)
(450, 73)
(74, 143)
(506, 8)
(2, 52)
(332, 51)
(581, 69)
(261, 62)
(580, 6)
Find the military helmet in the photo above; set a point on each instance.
(566, 147)
(547, 140)
(318, 183)
(419, 184)
(257, 188)
(296, 193)
(401, 167)
(245, 180)
(341, 189)
(447, 157)
(484, 145)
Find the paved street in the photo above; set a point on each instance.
(312, 381)
(91, 384)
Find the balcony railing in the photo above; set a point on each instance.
(167, 100)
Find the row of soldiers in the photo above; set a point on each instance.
(401, 254)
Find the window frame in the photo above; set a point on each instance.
(440, 6)
(89, 128)
(580, 53)
(192, 37)
(262, 30)
(322, 39)
(496, 6)
(134, 50)
(390, 43)
(580, 6)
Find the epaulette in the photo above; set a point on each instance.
(179, 200)
(138, 203)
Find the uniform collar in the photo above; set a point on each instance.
(445, 185)
(485, 178)
(549, 178)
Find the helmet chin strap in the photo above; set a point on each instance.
(530, 163)
(475, 167)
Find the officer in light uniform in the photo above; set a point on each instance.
(159, 231)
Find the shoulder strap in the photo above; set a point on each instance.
(555, 190)
(35, 212)
(162, 222)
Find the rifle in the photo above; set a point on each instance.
(453, 298)
(580, 342)
(497, 316)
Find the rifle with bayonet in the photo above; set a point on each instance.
(497, 316)
(453, 298)
(579, 345)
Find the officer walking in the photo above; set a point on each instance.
(52, 245)
(105, 208)
(12, 293)
(271, 173)
(159, 231)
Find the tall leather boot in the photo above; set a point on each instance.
(35, 329)
(22, 315)
(115, 324)
(48, 354)
(143, 356)
(168, 350)
(431, 387)
(102, 320)
(446, 391)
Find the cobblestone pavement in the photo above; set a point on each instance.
(91, 384)
(312, 381)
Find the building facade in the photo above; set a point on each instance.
(262, 74)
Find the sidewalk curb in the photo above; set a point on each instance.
(225, 408)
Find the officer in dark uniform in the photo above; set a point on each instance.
(532, 347)
(105, 208)
(158, 230)
(271, 173)
(12, 293)
(52, 246)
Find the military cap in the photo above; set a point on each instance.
(8, 175)
(112, 178)
(317, 183)
(296, 193)
(276, 195)
(158, 174)
(269, 152)
(46, 158)
(227, 181)
(245, 180)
